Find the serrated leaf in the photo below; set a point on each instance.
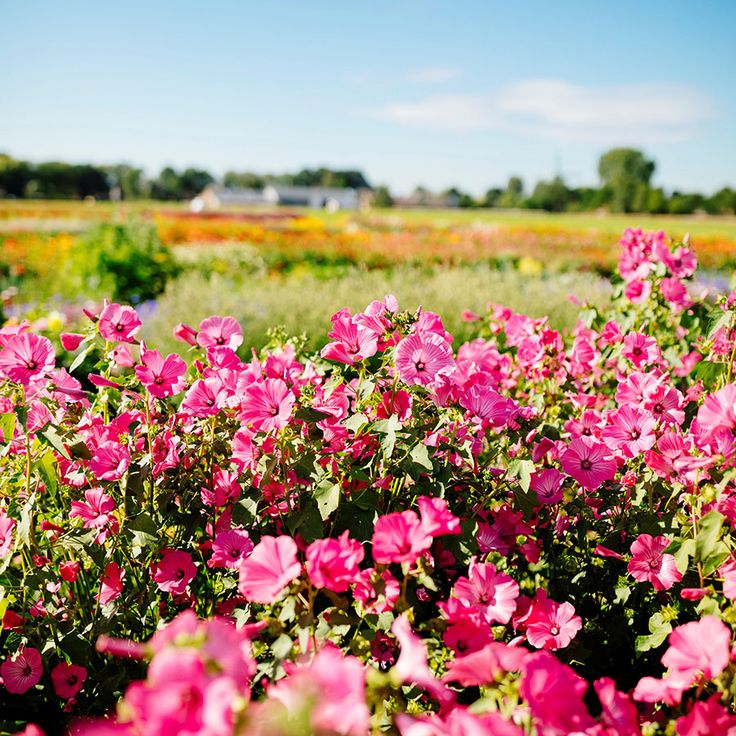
(53, 438)
(356, 422)
(143, 531)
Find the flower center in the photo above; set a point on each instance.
(585, 464)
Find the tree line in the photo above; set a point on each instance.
(625, 186)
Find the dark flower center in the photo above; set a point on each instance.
(420, 365)
(585, 464)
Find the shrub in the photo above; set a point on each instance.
(125, 262)
(530, 533)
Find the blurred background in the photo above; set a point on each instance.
(280, 161)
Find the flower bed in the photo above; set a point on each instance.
(529, 533)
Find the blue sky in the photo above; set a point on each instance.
(433, 93)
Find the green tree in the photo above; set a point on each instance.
(382, 197)
(626, 172)
(513, 196)
(553, 196)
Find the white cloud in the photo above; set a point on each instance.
(432, 75)
(556, 109)
(442, 112)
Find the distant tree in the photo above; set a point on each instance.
(243, 180)
(553, 196)
(513, 195)
(422, 194)
(723, 202)
(128, 179)
(14, 176)
(167, 185)
(492, 196)
(656, 201)
(193, 181)
(626, 172)
(382, 197)
(685, 204)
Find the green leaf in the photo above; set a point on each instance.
(660, 630)
(420, 455)
(245, 510)
(327, 497)
(46, 466)
(7, 426)
(708, 372)
(24, 525)
(709, 532)
(388, 428)
(81, 357)
(356, 422)
(53, 438)
(143, 531)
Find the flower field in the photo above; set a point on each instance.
(527, 533)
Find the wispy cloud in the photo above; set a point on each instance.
(432, 75)
(559, 110)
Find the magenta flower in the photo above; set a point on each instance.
(271, 566)
(203, 398)
(487, 404)
(589, 462)
(220, 332)
(650, 563)
(161, 377)
(555, 694)
(552, 625)
(6, 533)
(119, 323)
(70, 340)
(26, 356)
(640, 349)
(267, 405)
(421, 359)
(399, 537)
(230, 548)
(697, 648)
(333, 563)
(96, 512)
(174, 571)
(68, 679)
(491, 593)
(351, 341)
(436, 518)
(110, 461)
(112, 583)
(719, 410)
(619, 713)
(630, 431)
(547, 484)
(21, 671)
(376, 592)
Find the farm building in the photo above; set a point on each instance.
(215, 197)
(315, 197)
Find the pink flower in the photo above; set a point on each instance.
(619, 713)
(6, 533)
(681, 262)
(26, 356)
(269, 569)
(589, 462)
(352, 342)
(333, 563)
(640, 349)
(491, 593)
(230, 548)
(699, 648)
(175, 571)
(68, 679)
(487, 404)
(412, 667)
(421, 359)
(376, 592)
(21, 671)
(185, 334)
(436, 518)
(220, 331)
(547, 484)
(96, 512)
(637, 291)
(69, 570)
(161, 377)
(707, 718)
(110, 461)
(203, 398)
(719, 410)
(630, 430)
(70, 340)
(649, 562)
(112, 583)
(399, 537)
(555, 694)
(118, 323)
(552, 625)
(267, 405)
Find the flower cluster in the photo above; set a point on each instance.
(529, 533)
